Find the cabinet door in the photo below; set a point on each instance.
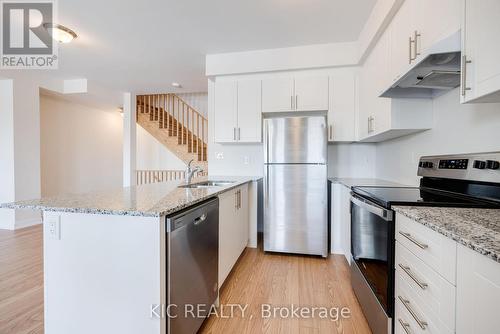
(243, 218)
(227, 232)
(250, 111)
(277, 95)
(374, 111)
(478, 293)
(225, 112)
(401, 29)
(342, 110)
(311, 93)
(482, 28)
(346, 221)
(435, 20)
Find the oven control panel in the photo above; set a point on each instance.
(454, 164)
(484, 167)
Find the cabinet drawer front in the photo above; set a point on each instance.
(434, 249)
(436, 293)
(403, 319)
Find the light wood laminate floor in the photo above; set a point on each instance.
(21, 281)
(258, 278)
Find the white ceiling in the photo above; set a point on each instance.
(143, 46)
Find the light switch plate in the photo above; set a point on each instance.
(53, 226)
(246, 160)
(219, 155)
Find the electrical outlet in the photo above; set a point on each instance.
(246, 160)
(219, 155)
(54, 228)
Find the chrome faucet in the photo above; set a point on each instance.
(190, 171)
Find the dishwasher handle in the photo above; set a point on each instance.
(200, 219)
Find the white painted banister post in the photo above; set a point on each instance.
(129, 139)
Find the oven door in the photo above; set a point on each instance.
(372, 249)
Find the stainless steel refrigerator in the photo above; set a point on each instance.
(295, 185)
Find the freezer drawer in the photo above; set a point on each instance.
(295, 209)
(295, 140)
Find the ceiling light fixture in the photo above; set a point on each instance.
(60, 33)
(176, 85)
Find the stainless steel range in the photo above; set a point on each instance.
(468, 180)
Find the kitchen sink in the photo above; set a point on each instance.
(207, 184)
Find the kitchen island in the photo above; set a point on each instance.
(105, 254)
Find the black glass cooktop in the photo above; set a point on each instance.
(388, 196)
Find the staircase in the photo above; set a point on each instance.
(175, 124)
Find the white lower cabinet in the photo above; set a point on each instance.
(478, 293)
(341, 220)
(233, 228)
(425, 279)
(427, 299)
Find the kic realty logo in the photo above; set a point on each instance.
(26, 41)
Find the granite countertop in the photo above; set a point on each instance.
(151, 200)
(478, 229)
(355, 182)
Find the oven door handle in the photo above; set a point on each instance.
(375, 209)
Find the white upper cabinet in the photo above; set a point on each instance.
(226, 115)
(238, 111)
(435, 20)
(342, 109)
(401, 32)
(302, 93)
(481, 51)
(249, 111)
(277, 95)
(311, 93)
(417, 25)
(384, 118)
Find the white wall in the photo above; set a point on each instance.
(199, 101)
(151, 154)
(352, 160)
(19, 149)
(457, 129)
(81, 147)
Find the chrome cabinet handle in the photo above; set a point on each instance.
(423, 324)
(412, 239)
(200, 219)
(239, 133)
(331, 132)
(416, 35)
(236, 200)
(234, 133)
(370, 124)
(405, 325)
(296, 102)
(291, 102)
(410, 42)
(410, 273)
(464, 74)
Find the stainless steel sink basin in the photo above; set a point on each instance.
(207, 184)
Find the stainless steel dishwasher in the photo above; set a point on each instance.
(192, 265)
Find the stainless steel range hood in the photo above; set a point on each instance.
(434, 73)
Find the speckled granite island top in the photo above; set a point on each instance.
(151, 200)
(478, 229)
